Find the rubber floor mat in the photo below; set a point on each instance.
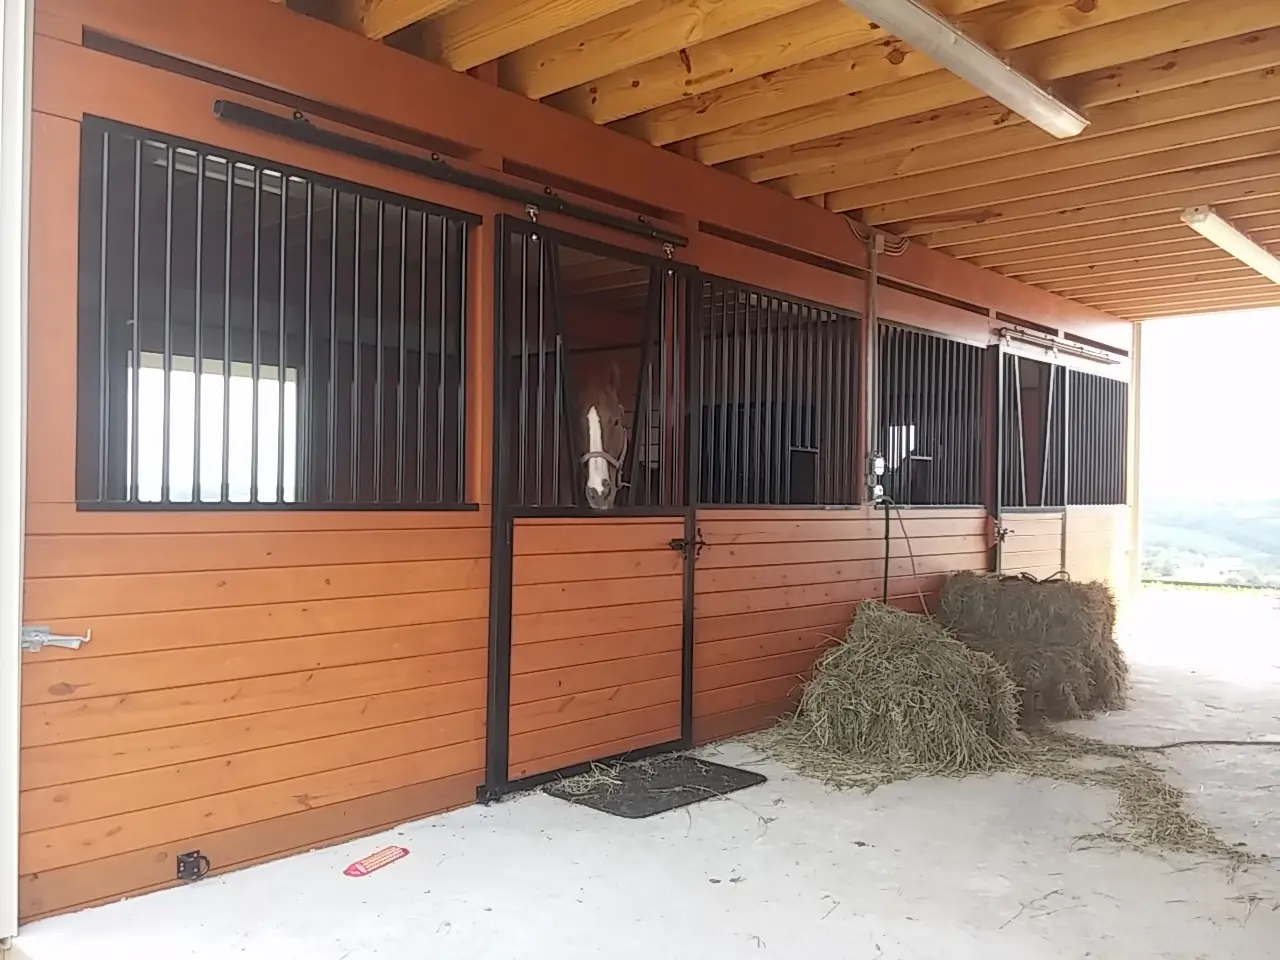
(642, 788)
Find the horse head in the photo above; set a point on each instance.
(605, 436)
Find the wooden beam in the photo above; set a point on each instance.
(483, 30)
(1125, 130)
(634, 35)
(806, 33)
(1205, 258)
(1129, 163)
(1186, 311)
(381, 18)
(849, 72)
(1097, 78)
(1095, 237)
(1173, 192)
(897, 149)
(1173, 280)
(1195, 296)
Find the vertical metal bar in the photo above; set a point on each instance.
(442, 371)
(331, 437)
(402, 371)
(523, 432)
(354, 470)
(257, 346)
(225, 485)
(735, 397)
(282, 360)
(306, 381)
(756, 393)
(543, 358)
(768, 440)
(136, 372)
(1022, 435)
(946, 416)
(725, 394)
(422, 360)
(1046, 458)
(666, 479)
(460, 332)
(166, 412)
(198, 319)
(378, 385)
(105, 440)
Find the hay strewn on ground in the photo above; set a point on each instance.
(1056, 637)
(900, 698)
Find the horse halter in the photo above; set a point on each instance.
(601, 455)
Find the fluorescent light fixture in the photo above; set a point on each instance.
(941, 42)
(1204, 221)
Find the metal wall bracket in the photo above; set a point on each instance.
(37, 638)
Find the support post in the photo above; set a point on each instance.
(15, 127)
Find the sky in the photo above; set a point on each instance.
(1211, 407)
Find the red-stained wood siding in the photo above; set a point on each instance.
(1033, 544)
(773, 588)
(597, 614)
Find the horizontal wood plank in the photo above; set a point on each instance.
(551, 684)
(580, 707)
(101, 554)
(592, 739)
(577, 567)
(567, 624)
(44, 518)
(62, 846)
(707, 655)
(153, 867)
(50, 807)
(796, 665)
(594, 595)
(432, 654)
(578, 651)
(768, 554)
(84, 597)
(721, 579)
(592, 535)
(76, 761)
(785, 531)
(711, 727)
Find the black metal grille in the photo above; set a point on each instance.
(573, 312)
(778, 382)
(1098, 441)
(253, 335)
(932, 431)
(1033, 454)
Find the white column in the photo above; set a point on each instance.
(15, 126)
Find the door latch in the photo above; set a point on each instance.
(684, 546)
(37, 638)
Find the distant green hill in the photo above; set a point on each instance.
(1214, 542)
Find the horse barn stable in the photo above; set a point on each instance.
(424, 398)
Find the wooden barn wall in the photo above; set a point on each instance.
(257, 682)
(596, 639)
(1097, 544)
(1033, 544)
(774, 586)
(264, 682)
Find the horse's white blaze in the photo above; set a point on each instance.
(597, 469)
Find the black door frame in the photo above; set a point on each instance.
(498, 702)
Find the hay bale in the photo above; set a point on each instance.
(901, 693)
(1056, 637)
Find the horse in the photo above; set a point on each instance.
(604, 434)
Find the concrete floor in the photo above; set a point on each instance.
(985, 867)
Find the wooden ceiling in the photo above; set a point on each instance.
(813, 100)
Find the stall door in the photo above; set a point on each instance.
(592, 582)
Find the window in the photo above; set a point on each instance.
(1097, 439)
(325, 319)
(932, 432)
(779, 390)
(1033, 454)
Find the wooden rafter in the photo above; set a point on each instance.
(1181, 310)
(1005, 26)
(1229, 107)
(1129, 164)
(381, 18)
(482, 30)
(1173, 192)
(1135, 62)
(631, 36)
(1207, 259)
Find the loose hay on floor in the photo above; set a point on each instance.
(899, 698)
(1056, 637)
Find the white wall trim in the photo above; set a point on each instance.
(15, 129)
